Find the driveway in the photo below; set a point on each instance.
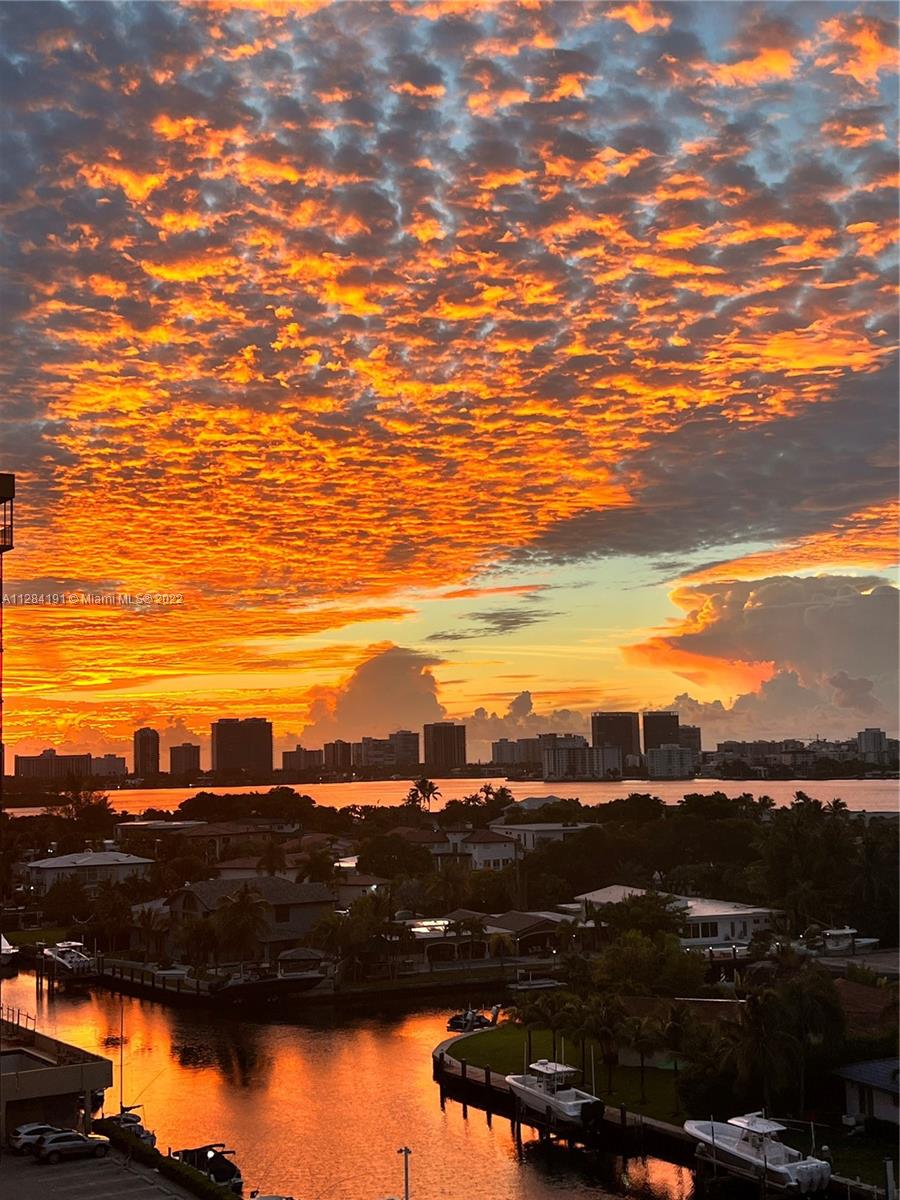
(83, 1179)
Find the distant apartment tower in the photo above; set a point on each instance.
(568, 759)
(620, 729)
(660, 729)
(405, 746)
(302, 760)
(445, 747)
(504, 753)
(670, 762)
(108, 766)
(871, 745)
(337, 756)
(184, 759)
(689, 739)
(146, 753)
(242, 745)
(48, 766)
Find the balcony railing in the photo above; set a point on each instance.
(6, 537)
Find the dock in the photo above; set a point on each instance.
(619, 1130)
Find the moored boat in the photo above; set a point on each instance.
(8, 953)
(750, 1146)
(546, 1089)
(215, 1162)
(69, 958)
(470, 1020)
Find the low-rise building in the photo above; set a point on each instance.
(48, 766)
(43, 1079)
(872, 1089)
(109, 766)
(90, 869)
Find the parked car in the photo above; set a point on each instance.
(24, 1138)
(69, 1143)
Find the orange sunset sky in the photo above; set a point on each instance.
(496, 361)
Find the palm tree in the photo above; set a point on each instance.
(499, 945)
(273, 859)
(153, 924)
(644, 1036)
(761, 1045)
(241, 919)
(603, 1020)
(817, 1017)
(422, 792)
(198, 939)
(675, 1029)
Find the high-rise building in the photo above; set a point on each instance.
(689, 739)
(617, 729)
(504, 753)
(573, 758)
(337, 757)
(146, 753)
(50, 766)
(660, 729)
(670, 762)
(108, 766)
(405, 746)
(184, 759)
(529, 751)
(871, 745)
(242, 745)
(302, 760)
(445, 747)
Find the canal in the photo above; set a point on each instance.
(317, 1106)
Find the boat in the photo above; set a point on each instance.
(470, 1020)
(532, 984)
(748, 1146)
(215, 1163)
(129, 1122)
(8, 953)
(266, 985)
(546, 1089)
(68, 958)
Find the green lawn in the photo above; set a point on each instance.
(503, 1049)
(864, 1156)
(51, 935)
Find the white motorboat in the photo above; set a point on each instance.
(749, 1146)
(69, 958)
(8, 953)
(546, 1088)
(129, 1122)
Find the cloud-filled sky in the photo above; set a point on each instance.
(495, 361)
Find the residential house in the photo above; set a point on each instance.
(531, 836)
(708, 924)
(291, 909)
(872, 1089)
(90, 868)
(489, 850)
(213, 840)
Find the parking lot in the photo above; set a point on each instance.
(82, 1179)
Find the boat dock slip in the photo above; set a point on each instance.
(618, 1130)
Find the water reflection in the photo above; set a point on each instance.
(317, 1107)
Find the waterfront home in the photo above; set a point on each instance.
(128, 832)
(291, 909)
(531, 836)
(90, 868)
(708, 924)
(529, 932)
(213, 840)
(872, 1089)
(249, 867)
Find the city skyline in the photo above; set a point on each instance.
(378, 365)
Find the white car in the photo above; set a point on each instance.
(24, 1138)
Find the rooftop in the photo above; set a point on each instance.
(699, 907)
(272, 889)
(91, 858)
(880, 1073)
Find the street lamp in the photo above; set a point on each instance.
(406, 1152)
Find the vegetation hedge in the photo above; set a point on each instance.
(148, 1156)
